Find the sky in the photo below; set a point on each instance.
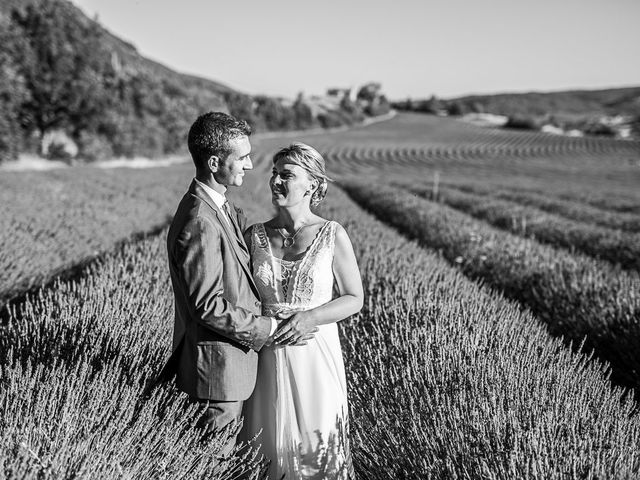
(414, 48)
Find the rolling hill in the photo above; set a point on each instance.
(613, 112)
(71, 89)
(613, 101)
(128, 54)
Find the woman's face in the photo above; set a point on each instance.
(290, 184)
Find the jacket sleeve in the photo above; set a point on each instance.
(198, 255)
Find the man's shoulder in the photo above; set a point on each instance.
(192, 207)
(193, 213)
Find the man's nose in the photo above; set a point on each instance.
(248, 164)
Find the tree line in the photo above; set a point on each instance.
(66, 92)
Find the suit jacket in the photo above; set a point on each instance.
(218, 327)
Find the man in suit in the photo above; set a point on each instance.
(218, 327)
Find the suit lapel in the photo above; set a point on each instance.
(236, 227)
(240, 251)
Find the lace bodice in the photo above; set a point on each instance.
(293, 284)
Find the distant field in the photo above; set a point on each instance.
(477, 382)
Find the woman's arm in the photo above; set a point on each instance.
(248, 239)
(350, 300)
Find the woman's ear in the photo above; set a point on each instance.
(314, 186)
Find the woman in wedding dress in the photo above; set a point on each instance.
(306, 271)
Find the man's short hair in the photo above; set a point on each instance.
(210, 134)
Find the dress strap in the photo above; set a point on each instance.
(327, 236)
(259, 238)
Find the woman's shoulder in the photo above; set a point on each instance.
(341, 238)
(332, 232)
(256, 236)
(336, 226)
(251, 230)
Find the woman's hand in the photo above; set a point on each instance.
(296, 329)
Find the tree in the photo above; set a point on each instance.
(241, 106)
(456, 108)
(12, 91)
(303, 113)
(352, 109)
(369, 92)
(276, 115)
(63, 68)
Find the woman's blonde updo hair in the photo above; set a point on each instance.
(310, 160)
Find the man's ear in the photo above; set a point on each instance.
(213, 162)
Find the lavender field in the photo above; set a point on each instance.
(499, 338)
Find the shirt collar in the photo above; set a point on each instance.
(218, 198)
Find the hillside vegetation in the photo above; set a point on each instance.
(614, 101)
(69, 88)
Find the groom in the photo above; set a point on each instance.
(218, 327)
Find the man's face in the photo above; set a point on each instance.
(231, 170)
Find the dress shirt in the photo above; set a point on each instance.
(219, 199)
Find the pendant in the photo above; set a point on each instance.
(287, 242)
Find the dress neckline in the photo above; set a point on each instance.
(304, 254)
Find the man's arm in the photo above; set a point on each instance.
(199, 260)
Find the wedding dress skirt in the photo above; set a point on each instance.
(300, 399)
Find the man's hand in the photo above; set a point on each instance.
(296, 329)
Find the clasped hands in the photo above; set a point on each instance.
(295, 329)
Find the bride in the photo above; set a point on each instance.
(306, 271)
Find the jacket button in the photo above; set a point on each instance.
(257, 304)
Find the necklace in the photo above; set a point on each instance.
(289, 240)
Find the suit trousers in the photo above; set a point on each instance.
(216, 416)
